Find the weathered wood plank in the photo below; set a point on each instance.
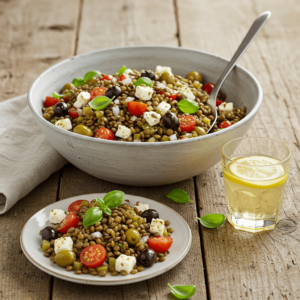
(33, 35)
(242, 265)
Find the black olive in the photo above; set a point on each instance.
(114, 91)
(49, 234)
(147, 257)
(148, 74)
(171, 121)
(60, 109)
(150, 214)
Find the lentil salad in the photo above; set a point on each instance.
(135, 106)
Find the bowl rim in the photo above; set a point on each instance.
(143, 144)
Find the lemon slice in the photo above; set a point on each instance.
(257, 168)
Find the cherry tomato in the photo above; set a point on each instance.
(66, 98)
(208, 88)
(106, 77)
(100, 91)
(93, 256)
(71, 220)
(136, 108)
(225, 124)
(73, 113)
(74, 206)
(187, 123)
(104, 133)
(122, 77)
(50, 101)
(160, 243)
(219, 102)
(173, 96)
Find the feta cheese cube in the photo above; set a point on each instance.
(152, 118)
(133, 118)
(126, 81)
(96, 235)
(129, 99)
(160, 69)
(142, 207)
(63, 243)
(82, 99)
(127, 71)
(123, 132)
(164, 107)
(225, 108)
(157, 225)
(64, 124)
(144, 92)
(56, 216)
(125, 263)
(186, 93)
(173, 137)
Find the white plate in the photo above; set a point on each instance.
(31, 240)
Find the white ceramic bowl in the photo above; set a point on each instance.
(145, 164)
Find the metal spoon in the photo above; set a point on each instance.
(251, 35)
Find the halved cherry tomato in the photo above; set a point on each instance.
(104, 133)
(160, 243)
(93, 256)
(136, 108)
(50, 101)
(66, 98)
(100, 91)
(71, 220)
(219, 102)
(74, 206)
(122, 77)
(208, 88)
(106, 77)
(187, 123)
(73, 113)
(225, 124)
(173, 97)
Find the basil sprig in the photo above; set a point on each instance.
(78, 81)
(188, 106)
(212, 220)
(182, 291)
(110, 201)
(100, 102)
(60, 96)
(121, 71)
(144, 80)
(179, 196)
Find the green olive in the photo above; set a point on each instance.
(111, 264)
(45, 245)
(92, 81)
(102, 268)
(132, 236)
(65, 258)
(194, 75)
(77, 265)
(68, 86)
(200, 130)
(84, 130)
(167, 77)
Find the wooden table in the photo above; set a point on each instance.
(222, 263)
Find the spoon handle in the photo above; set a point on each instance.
(252, 33)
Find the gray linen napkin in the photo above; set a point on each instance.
(26, 156)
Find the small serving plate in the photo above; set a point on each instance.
(31, 241)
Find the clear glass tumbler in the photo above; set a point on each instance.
(255, 172)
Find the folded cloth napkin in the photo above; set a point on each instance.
(26, 156)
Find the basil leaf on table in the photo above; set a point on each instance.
(188, 106)
(144, 80)
(92, 216)
(179, 196)
(121, 71)
(114, 199)
(212, 220)
(78, 81)
(100, 102)
(182, 291)
(91, 74)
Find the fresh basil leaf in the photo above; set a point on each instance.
(91, 74)
(78, 81)
(100, 202)
(92, 216)
(188, 106)
(100, 102)
(60, 96)
(144, 80)
(122, 246)
(182, 291)
(121, 71)
(106, 210)
(114, 199)
(212, 220)
(179, 196)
